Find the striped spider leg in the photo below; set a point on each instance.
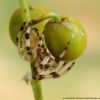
(51, 64)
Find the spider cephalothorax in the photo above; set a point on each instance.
(31, 48)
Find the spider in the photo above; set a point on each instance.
(31, 47)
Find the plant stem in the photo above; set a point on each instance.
(53, 16)
(24, 6)
(49, 16)
(36, 85)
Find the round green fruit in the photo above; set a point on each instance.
(17, 20)
(68, 33)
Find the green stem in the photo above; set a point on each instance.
(24, 6)
(53, 16)
(50, 16)
(36, 85)
(26, 16)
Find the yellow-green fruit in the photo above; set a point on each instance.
(17, 20)
(58, 35)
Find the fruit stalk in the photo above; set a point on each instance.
(36, 85)
(51, 15)
(24, 6)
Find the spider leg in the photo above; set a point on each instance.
(19, 38)
(64, 51)
(57, 74)
(54, 74)
(55, 63)
(68, 69)
(20, 31)
(61, 67)
(49, 64)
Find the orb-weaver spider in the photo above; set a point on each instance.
(31, 48)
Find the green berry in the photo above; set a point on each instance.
(59, 34)
(17, 20)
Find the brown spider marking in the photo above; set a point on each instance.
(69, 68)
(27, 35)
(23, 26)
(54, 75)
(64, 63)
(21, 29)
